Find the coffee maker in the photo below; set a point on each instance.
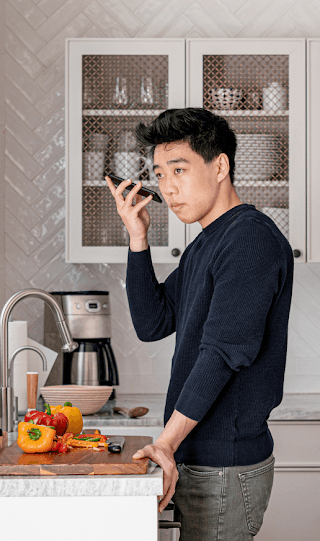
(87, 314)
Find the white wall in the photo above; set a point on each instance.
(34, 174)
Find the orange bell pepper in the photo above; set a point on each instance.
(35, 438)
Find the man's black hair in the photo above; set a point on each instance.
(207, 134)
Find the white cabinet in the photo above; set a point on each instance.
(111, 85)
(294, 509)
(259, 86)
(313, 154)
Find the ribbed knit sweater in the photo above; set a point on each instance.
(228, 302)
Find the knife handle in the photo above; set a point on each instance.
(116, 444)
(32, 390)
(114, 448)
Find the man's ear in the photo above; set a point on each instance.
(223, 166)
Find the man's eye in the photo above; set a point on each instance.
(159, 175)
(178, 170)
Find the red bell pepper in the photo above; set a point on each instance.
(59, 421)
(39, 418)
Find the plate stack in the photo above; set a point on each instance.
(88, 398)
(257, 156)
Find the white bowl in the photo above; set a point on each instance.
(88, 398)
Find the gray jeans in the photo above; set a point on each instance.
(223, 504)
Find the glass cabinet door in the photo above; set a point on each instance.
(113, 85)
(259, 87)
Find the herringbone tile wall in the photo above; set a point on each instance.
(33, 192)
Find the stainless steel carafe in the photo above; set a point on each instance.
(87, 314)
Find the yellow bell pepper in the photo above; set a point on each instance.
(35, 438)
(55, 409)
(75, 421)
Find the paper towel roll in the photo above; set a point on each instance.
(17, 338)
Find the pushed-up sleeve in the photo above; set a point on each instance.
(152, 305)
(246, 280)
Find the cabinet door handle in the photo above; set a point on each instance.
(175, 252)
(296, 253)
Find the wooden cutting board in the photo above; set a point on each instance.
(13, 461)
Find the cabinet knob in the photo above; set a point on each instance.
(175, 252)
(296, 253)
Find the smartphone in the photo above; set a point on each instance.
(143, 191)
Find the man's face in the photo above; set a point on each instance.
(189, 186)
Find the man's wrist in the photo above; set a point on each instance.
(138, 245)
(176, 430)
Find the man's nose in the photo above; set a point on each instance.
(169, 186)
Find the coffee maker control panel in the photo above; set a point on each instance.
(85, 305)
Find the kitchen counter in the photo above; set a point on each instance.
(294, 406)
(83, 485)
(116, 506)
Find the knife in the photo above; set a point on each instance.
(115, 444)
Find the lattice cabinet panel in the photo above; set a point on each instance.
(118, 92)
(252, 91)
(118, 84)
(258, 86)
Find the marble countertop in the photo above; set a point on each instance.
(149, 484)
(297, 407)
(294, 407)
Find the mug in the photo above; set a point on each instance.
(127, 165)
(274, 98)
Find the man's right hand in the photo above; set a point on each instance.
(136, 218)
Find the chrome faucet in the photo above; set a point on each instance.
(14, 399)
(68, 344)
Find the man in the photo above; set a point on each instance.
(228, 302)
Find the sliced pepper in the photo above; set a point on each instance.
(80, 443)
(61, 445)
(34, 438)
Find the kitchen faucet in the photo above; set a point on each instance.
(68, 344)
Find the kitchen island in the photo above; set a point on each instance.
(126, 506)
(107, 507)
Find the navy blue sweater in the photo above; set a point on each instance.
(228, 302)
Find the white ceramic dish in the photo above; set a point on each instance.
(88, 398)
(225, 98)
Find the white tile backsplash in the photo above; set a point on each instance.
(30, 13)
(23, 30)
(34, 182)
(23, 82)
(22, 55)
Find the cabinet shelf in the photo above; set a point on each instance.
(156, 112)
(261, 183)
(121, 112)
(250, 112)
(240, 183)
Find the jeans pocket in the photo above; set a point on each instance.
(256, 488)
(201, 471)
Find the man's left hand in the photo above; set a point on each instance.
(162, 454)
